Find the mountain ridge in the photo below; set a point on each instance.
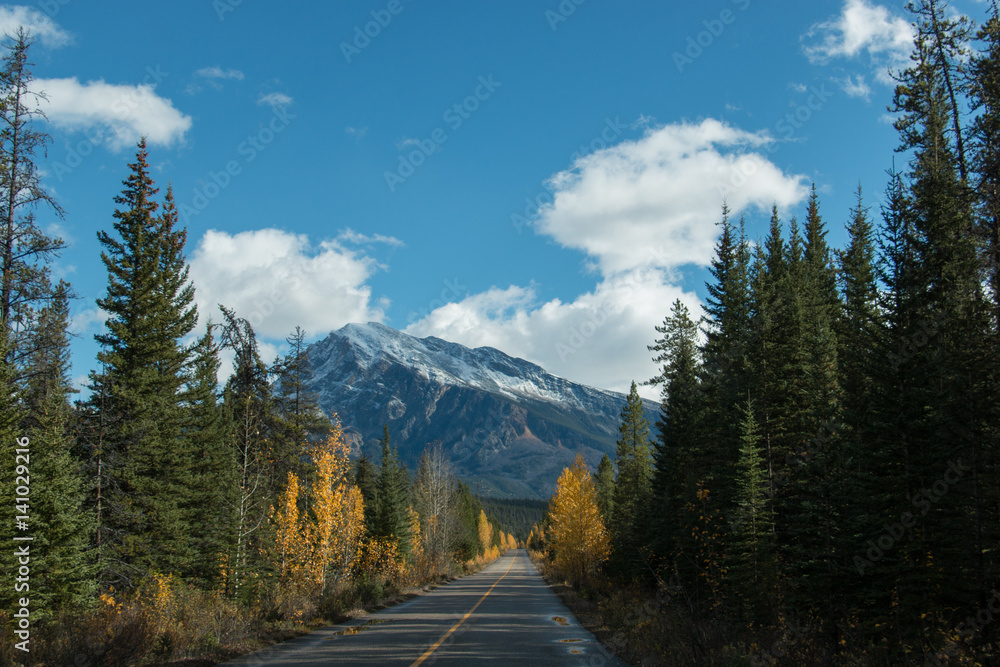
(508, 425)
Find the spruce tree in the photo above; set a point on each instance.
(725, 373)
(604, 483)
(65, 576)
(150, 309)
(678, 468)
(298, 417)
(212, 472)
(753, 569)
(392, 514)
(632, 488)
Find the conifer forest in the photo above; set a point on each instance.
(821, 485)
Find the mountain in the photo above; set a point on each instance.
(508, 426)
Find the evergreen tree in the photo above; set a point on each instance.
(150, 309)
(212, 482)
(24, 247)
(632, 489)
(946, 376)
(298, 417)
(725, 374)
(677, 467)
(392, 518)
(753, 569)
(604, 483)
(62, 530)
(11, 416)
(366, 479)
(247, 409)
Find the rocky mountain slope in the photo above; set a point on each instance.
(508, 426)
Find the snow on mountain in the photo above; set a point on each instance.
(507, 424)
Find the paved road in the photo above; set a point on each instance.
(504, 615)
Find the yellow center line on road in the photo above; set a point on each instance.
(445, 636)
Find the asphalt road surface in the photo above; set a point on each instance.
(504, 615)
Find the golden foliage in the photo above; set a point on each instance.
(577, 533)
(380, 560)
(320, 548)
(485, 533)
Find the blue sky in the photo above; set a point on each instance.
(543, 177)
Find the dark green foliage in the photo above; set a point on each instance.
(149, 305)
(633, 491)
(213, 463)
(466, 537)
(366, 479)
(393, 492)
(677, 467)
(604, 483)
(298, 418)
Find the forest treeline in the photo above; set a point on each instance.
(823, 484)
(164, 516)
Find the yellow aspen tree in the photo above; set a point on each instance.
(579, 536)
(288, 530)
(338, 512)
(416, 541)
(485, 533)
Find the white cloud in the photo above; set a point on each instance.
(124, 112)
(654, 202)
(357, 132)
(350, 236)
(640, 210)
(862, 27)
(37, 24)
(598, 339)
(82, 322)
(217, 72)
(856, 87)
(275, 100)
(278, 280)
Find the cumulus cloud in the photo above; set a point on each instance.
(121, 112)
(862, 27)
(653, 202)
(599, 338)
(278, 280)
(640, 210)
(37, 24)
(275, 100)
